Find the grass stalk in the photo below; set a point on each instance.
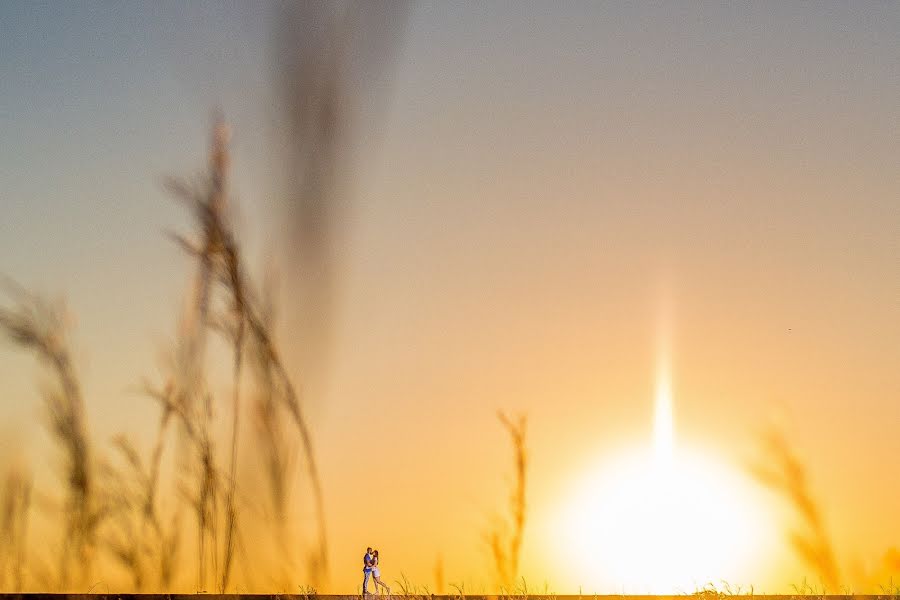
(220, 259)
(41, 327)
(783, 472)
(505, 540)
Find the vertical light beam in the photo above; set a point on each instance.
(663, 425)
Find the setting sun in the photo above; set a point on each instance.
(641, 526)
(654, 522)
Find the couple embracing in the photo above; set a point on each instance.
(370, 569)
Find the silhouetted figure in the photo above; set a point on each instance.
(368, 565)
(376, 574)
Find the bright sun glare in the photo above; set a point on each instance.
(665, 521)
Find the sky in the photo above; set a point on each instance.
(538, 184)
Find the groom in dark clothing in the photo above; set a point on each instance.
(368, 563)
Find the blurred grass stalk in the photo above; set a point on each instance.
(781, 470)
(238, 319)
(15, 503)
(41, 327)
(115, 504)
(332, 65)
(505, 539)
(328, 56)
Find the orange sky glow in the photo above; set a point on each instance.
(659, 234)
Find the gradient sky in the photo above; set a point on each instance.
(543, 178)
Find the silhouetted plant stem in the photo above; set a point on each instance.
(41, 327)
(505, 539)
(783, 471)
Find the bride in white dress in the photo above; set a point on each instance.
(376, 574)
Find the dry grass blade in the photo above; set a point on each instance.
(122, 496)
(505, 540)
(269, 357)
(220, 262)
(41, 327)
(136, 537)
(782, 471)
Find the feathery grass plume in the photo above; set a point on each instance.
(279, 394)
(781, 470)
(201, 486)
(268, 361)
(15, 503)
(185, 395)
(169, 542)
(123, 539)
(166, 544)
(41, 326)
(505, 539)
(220, 261)
(135, 535)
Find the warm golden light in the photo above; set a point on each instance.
(663, 427)
(636, 525)
(665, 522)
(663, 430)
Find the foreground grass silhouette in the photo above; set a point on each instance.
(112, 517)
